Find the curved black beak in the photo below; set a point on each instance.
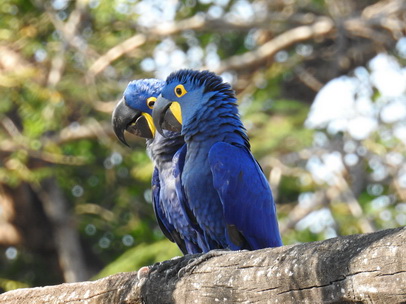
(127, 119)
(163, 116)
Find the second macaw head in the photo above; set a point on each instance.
(133, 112)
(189, 96)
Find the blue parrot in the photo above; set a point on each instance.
(226, 189)
(133, 114)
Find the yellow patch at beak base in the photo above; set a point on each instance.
(176, 111)
(150, 122)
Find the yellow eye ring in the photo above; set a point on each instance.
(180, 90)
(151, 102)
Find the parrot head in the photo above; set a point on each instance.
(186, 95)
(133, 112)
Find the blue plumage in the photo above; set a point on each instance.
(229, 198)
(133, 113)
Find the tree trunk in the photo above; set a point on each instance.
(366, 268)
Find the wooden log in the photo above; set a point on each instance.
(365, 268)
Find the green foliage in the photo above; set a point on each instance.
(8, 285)
(139, 256)
(282, 124)
(26, 269)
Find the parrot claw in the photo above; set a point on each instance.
(194, 262)
(143, 272)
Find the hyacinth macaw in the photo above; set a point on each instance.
(227, 192)
(133, 113)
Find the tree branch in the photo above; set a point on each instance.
(70, 30)
(382, 15)
(357, 268)
(321, 27)
(116, 52)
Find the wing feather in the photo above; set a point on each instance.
(249, 208)
(166, 227)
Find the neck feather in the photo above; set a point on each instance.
(219, 122)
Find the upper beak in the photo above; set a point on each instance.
(167, 115)
(125, 118)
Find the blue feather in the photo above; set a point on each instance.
(245, 195)
(169, 210)
(166, 227)
(229, 198)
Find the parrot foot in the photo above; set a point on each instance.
(143, 272)
(194, 262)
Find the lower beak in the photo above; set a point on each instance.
(125, 118)
(167, 115)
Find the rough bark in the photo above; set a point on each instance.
(366, 268)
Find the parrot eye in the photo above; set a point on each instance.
(180, 90)
(151, 102)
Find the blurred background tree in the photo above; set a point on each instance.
(321, 87)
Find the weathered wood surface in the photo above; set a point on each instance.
(367, 268)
